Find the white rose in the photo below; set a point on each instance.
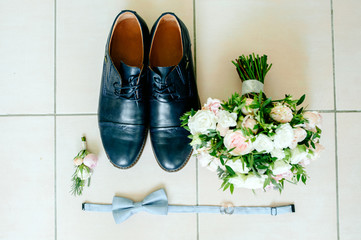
(226, 119)
(238, 181)
(298, 154)
(208, 161)
(237, 166)
(254, 182)
(282, 114)
(278, 153)
(249, 122)
(202, 121)
(84, 175)
(250, 181)
(280, 167)
(204, 158)
(314, 120)
(263, 143)
(284, 136)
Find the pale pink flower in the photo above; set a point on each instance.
(282, 114)
(316, 151)
(314, 120)
(222, 130)
(212, 104)
(299, 134)
(241, 144)
(246, 110)
(90, 160)
(77, 161)
(249, 122)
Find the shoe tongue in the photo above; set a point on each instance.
(127, 71)
(163, 71)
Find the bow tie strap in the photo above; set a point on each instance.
(157, 203)
(232, 210)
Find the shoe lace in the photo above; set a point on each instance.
(163, 88)
(128, 92)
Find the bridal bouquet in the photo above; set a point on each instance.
(253, 141)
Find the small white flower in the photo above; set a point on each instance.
(226, 119)
(237, 166)
(196, 140)
(202, 121)
(298, 154)
(284, 136)
(278, 153)
(280, 167)
(263, 143)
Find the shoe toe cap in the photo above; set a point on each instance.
(171, 147)
(122, 143)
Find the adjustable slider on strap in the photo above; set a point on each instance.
(227, 208)
(273, 211)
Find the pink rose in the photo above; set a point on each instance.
(77, 161)
(212, 104)
(249, 122)
(282, 114)
(314, 120)
(246, 110)
(239, 142)
(90, 160)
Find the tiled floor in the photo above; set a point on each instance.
(51, 55)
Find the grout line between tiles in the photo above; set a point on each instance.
(335, 121)
(195, 72)
(55, 166)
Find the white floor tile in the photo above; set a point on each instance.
(26, 56)
(296, 36)
(107, 181)
(348, 132)
(27, 178)
(347, 25)
(82, 32)
(315, 203)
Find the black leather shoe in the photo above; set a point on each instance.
(173, 91)
(122, 113)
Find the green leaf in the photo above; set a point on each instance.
(300, 101)
(230, 170)
(231, 188)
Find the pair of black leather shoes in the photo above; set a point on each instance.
(147, 81)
